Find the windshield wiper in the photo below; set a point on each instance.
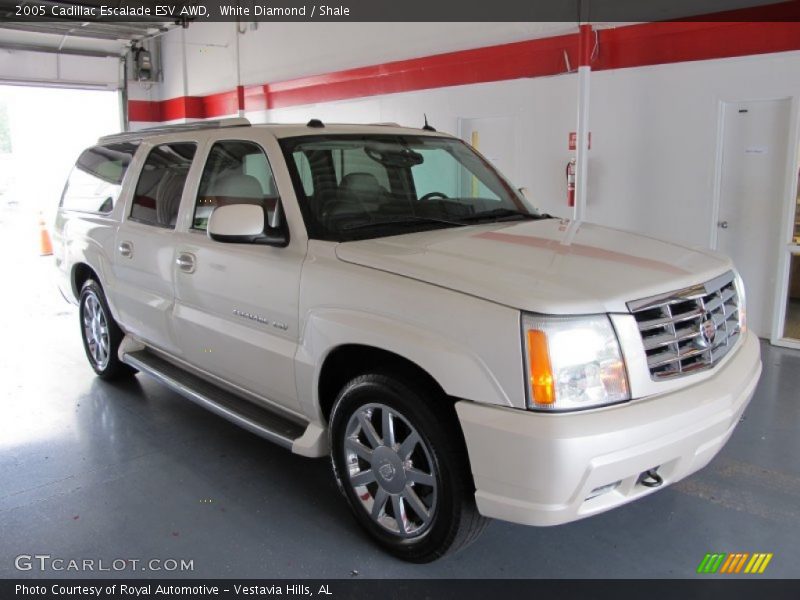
(498, 213)
(406, 220)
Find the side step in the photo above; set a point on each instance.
(254, 418)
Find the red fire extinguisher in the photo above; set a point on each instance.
(571, 182)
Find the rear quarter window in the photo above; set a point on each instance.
(95, 182)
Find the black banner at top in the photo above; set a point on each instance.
(570, 11)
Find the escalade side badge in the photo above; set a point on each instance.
(260, 319)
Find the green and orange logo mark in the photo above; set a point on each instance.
(736, 562)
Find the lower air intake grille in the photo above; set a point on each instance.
(689, 330)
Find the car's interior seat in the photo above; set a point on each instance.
(168, 196)
(238, 188)
(359, 193)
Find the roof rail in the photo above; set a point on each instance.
(127, 136)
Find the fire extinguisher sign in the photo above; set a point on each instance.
(573, 140)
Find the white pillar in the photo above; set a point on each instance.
(582, 133)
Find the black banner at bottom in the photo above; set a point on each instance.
(386, 589)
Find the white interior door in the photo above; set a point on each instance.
(753, 178)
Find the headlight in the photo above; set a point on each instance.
(573, 362)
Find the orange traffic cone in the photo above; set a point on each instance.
(45, 246)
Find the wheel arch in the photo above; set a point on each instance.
(81, 273)
(347, 361)
(339, 344)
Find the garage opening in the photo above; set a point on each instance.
(42, 131)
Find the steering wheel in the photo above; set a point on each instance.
(432, 195)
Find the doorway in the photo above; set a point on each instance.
(42, 132)
(788, 326)
(751, 199)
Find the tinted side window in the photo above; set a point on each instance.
(158, 192)
(96, 179)
(236, 172)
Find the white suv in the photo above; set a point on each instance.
(383, 295)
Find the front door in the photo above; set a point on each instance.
(755, 146)
(236, 304)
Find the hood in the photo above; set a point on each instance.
(551, 266)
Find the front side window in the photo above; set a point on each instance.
(96, 179)
(362, 186)
(160, 186)
(236, 172)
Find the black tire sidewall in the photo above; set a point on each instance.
(441, 444)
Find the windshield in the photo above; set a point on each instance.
(364, 186)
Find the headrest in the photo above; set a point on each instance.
(364, 183)
(237, 185)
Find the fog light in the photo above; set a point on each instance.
(603, 489)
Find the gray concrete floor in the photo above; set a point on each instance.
(94, 470)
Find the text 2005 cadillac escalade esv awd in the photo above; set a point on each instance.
(383, 295)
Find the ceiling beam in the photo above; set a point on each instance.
(53, 50)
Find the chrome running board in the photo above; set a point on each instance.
(248, 415)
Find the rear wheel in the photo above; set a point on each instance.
(400, 461)
(101, 334)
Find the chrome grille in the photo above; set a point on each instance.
(689, 330)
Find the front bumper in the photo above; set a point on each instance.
(539, 469)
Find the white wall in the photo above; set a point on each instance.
(654, 129)
(654, 133)
(274, 52)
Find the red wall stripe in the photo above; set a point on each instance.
(631, 46)
(144, 110)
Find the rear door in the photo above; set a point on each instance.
(236, 314)
(144, 252)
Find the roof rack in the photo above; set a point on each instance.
(128, 136)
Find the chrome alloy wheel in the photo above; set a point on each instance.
(95, 330)
(391, 472)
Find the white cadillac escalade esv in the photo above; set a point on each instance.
(383, 295)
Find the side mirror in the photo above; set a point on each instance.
(246, 224)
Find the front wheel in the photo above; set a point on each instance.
(400, 461)
(101, 334)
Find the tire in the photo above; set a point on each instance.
(424, 475)
(100, 333)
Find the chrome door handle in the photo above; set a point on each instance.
(125, 249)
(186, 262)
(722, 224)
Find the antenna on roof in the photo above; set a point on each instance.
(315, 123)
(427, 127)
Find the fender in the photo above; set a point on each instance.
(459, 371)
(91, 245)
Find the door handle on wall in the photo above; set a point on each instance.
(125, 249)
(722, 224)
(186, 262)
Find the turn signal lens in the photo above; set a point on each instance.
(540, 372)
